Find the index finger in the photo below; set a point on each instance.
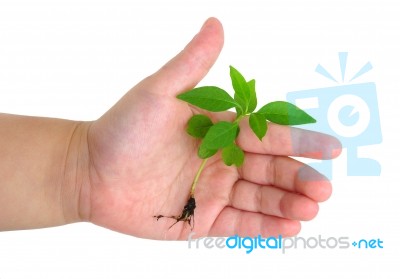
(289, 141)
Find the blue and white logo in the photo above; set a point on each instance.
(347, 111)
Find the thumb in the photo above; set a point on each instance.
(186, 69)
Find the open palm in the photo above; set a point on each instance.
(143, 162)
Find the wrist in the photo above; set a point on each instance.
(75, 197)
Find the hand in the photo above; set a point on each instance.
(142, 163)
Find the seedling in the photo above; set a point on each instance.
(222, 135)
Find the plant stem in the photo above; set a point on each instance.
(203, 164)
(196, 178)
(237, 120)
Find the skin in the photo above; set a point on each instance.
(137, 161)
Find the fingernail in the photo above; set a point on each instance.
(206, 24)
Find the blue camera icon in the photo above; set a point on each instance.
(350, 113)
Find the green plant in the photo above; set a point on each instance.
(222, 135)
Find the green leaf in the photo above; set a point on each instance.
(237, 132)
(233, 155)
(285, 113)
(210, 98)
(204, 152)
(220, 135)
(253, 96)
(242, 91)
(198, 125)
(258, 124)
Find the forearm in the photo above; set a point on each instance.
(42, 171)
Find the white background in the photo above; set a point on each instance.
(75, 59)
